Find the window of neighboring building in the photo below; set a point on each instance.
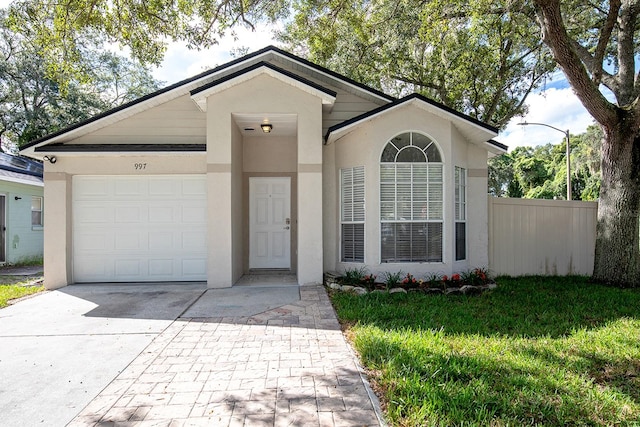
(352, 214)
(461, 212)
(36, 211)
(411, 200)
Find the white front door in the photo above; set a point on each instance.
(270, 222)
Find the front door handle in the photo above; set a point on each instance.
(287, 227)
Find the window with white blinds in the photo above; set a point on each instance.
(352, 214)
(411, 200)
(460, 186)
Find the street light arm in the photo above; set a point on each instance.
(566, 132)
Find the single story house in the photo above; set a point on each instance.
(21, 209)
(268, 162)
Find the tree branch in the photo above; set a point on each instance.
(603, 40)
(554, 34)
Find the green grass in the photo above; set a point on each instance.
(535, 351)
(12, 287)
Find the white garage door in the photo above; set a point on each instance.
(139, 228)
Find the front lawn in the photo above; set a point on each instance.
(12, 287)
(534, 351)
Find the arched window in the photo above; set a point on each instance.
(411, 200)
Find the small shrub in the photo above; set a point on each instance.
(451, 281)
(433, 281)
(476, 277)
(353, 276)
(392, 280)
(369, 282)
(410, 282)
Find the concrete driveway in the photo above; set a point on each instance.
(159, 354)
(58, 350)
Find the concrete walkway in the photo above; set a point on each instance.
(286, 366)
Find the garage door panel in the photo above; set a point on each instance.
(161, 240)
(91, 188)
(194, 187)
(194, 241)
(95, 242)
(193, 214)
(91, 213)
(194, 267)
(128, 269)
(135, 229)
(124, 214)
(161, 214)
(129, 242)
(129, 187)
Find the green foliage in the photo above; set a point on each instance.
(480, 57)
(63, 29)
(13, 291)
(353, 276)
(392, 280)
(541, 172)
(535, 351)
(33, 104)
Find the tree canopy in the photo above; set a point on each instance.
(33, 104)
(62, 28)
(479, 57)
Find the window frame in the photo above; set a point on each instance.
(460, 183)
(435, 167)
(357, 220)
(40, 211)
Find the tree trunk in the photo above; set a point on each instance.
(617, 255)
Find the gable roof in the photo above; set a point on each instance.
(240, 68)
(474, 130)
(185, 86)
(200, 94)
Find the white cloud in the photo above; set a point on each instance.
(558, 107)
(180, 62)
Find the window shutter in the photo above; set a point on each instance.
(352, 214)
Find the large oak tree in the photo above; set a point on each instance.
(596, 46)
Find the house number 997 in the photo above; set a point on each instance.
(139, 166)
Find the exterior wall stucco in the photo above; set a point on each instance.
(270, 154)
(269, 96)
(363, 147)
(237, 203)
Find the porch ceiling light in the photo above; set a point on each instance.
(266, 127)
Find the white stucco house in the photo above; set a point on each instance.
(268, 162)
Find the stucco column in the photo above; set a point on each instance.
(219, 197)
(57, 230)
(477, 208)
(310, 223)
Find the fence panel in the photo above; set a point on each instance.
(543, 237)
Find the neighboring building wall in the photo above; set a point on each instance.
(23, 241)
(541, 237)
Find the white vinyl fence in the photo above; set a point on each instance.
(542, 237)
